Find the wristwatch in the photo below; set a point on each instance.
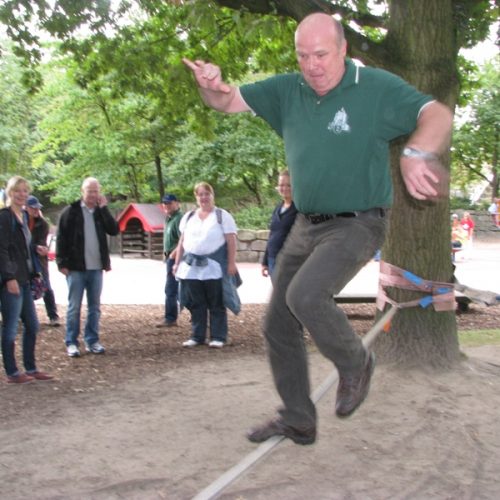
(409, 152)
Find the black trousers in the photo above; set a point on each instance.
(204, 300)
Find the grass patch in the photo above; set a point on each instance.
(474, 338)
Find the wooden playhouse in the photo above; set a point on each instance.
(141, 230)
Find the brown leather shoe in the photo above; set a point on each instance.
(41, 376)
(277, 427)
(22, 378)
(352, 391)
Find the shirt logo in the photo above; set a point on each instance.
(339, 123)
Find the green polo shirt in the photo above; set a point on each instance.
(171, 233)
(337, 145)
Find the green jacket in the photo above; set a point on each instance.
(171, 233)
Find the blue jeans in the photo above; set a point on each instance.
(171, 294)
(316, 263)
(15, 307)
(204, 298)
(78, 282)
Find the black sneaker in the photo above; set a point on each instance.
(167, 324)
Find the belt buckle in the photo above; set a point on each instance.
(318, 218)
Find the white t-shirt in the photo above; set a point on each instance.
(203, 237)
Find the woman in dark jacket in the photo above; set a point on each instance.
(16, 270)
(282, 221)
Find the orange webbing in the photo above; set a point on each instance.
(440, 295)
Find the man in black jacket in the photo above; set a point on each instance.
(39, 228)
(82, 254)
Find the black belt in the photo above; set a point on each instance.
(319, 218)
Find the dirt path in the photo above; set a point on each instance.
(171, 430)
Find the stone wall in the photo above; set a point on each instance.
(251, 244)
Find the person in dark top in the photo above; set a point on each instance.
(39, 228)
(17, 267)
(171, 235)
(82, 254)
(282, 221)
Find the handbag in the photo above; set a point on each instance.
(38, 287)
(37, 283)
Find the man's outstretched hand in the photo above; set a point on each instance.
(208, 76)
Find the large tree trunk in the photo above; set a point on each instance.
(421, 43)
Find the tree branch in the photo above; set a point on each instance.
(359, 46)
(298, 10)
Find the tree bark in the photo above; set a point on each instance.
(421, 42)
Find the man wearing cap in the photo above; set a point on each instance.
(171, 235)
(39, 228)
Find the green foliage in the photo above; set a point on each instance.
(476, 144)
(469, 80)
(242, 155)
(135, 118)
(17, 121)
(146, 97)
(27, 21)
(266, 39)
(119, 124)
(473, 19)
(253, 217)
(461, 203)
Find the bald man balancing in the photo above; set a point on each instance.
(336, 120)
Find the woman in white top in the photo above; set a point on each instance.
(206, 259)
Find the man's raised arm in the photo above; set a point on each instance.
(214, 92)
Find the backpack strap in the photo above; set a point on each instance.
(218, 214)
